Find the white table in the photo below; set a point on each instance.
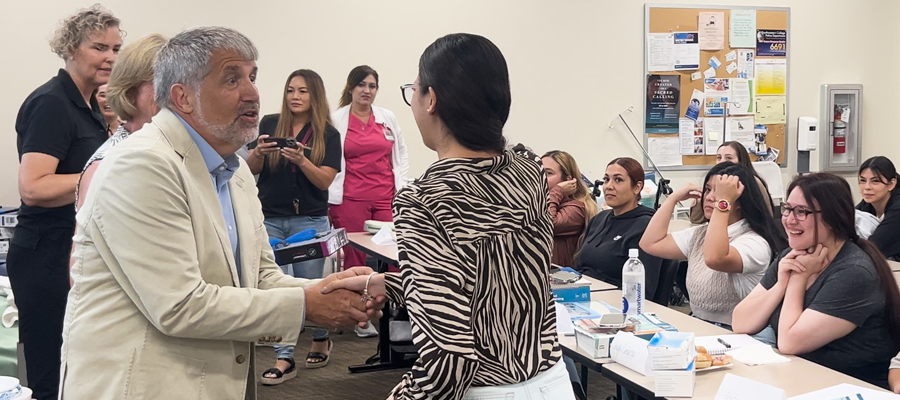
(796, 377)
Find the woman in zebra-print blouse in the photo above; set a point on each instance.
(474, 239)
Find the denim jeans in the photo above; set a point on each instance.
(283, 227)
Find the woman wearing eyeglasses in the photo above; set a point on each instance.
(727, 256)
(374, 163)
(474, 239)
(830, 297)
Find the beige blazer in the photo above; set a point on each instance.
(157, 311)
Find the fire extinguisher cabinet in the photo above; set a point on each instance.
(840, 149)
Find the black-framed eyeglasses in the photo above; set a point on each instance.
(407, 91)
(799, 213)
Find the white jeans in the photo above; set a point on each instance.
(552, 384)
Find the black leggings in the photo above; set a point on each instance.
(39, 275)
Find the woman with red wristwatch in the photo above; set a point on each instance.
(726, 256)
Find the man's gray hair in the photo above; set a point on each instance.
(185, 58)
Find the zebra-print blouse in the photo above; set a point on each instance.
(474, 238)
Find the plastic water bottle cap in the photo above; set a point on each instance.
(632, 253)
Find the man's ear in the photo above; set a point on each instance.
(182, 98)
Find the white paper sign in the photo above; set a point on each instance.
(384, 237)
(664, 150)
(660, 52)
(737, 388)
(563, 321)
(731, 56)
(631, 351)
(731, 68)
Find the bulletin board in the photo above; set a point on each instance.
(662, 18)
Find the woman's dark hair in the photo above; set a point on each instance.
(356, 76)
(831, 196)
(753, 204)
(744, 159)
(634, 169)
(881, 166)
(471, 81)
(742, 154)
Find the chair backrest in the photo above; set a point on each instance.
(666, 282)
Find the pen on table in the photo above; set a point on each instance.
(724, 343)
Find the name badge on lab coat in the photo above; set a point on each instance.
(388, 134)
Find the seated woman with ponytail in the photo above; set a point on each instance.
(877, 185)
(830, 297)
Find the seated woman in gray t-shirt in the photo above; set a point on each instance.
(830, 297)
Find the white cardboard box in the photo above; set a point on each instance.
(595, 344)
(671, 350)
(6, 233)
(675, 383)
(9, 220)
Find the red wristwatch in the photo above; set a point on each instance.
(723, 205)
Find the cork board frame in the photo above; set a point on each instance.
(664, 18)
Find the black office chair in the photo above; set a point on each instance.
(666, 282)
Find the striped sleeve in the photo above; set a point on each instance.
(437, 295)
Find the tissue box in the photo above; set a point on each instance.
(675, 383)
(671, 350)
(318, 247)
(595, 344)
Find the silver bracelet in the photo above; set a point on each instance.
(366, 296)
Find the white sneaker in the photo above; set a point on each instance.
(367, 332)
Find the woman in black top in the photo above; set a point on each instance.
(877, 185)
(612, 232)
(830, 297)
(59, 126)
(293, 189)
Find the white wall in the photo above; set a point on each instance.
(574, 64)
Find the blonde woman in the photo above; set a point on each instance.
(293, 189)
(58, 127)
(571, 205)
(130, 96)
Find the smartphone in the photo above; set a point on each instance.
(563, 277)
(282, 142)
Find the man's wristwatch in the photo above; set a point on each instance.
(723, 205)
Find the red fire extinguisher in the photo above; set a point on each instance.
(839, 135)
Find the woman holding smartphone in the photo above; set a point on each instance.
(297, 155)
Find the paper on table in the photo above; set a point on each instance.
(563, 321)
(664, 150)
(734, 387)
(845, 391)
(742, 28)
(770, 110)
(712, 30)
(741, 97)
(745, 64)
(770, 76)
(687, 51)
(660, 52)
(714, 129)
(384, 237)
(757, 355)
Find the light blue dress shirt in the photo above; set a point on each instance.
(220, 172)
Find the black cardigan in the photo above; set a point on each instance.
(887, 236)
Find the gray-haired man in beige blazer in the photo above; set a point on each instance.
(174, 278)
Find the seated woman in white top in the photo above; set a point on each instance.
(727, 256)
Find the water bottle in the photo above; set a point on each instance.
(633, 285)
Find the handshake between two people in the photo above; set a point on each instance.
(348, 298)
